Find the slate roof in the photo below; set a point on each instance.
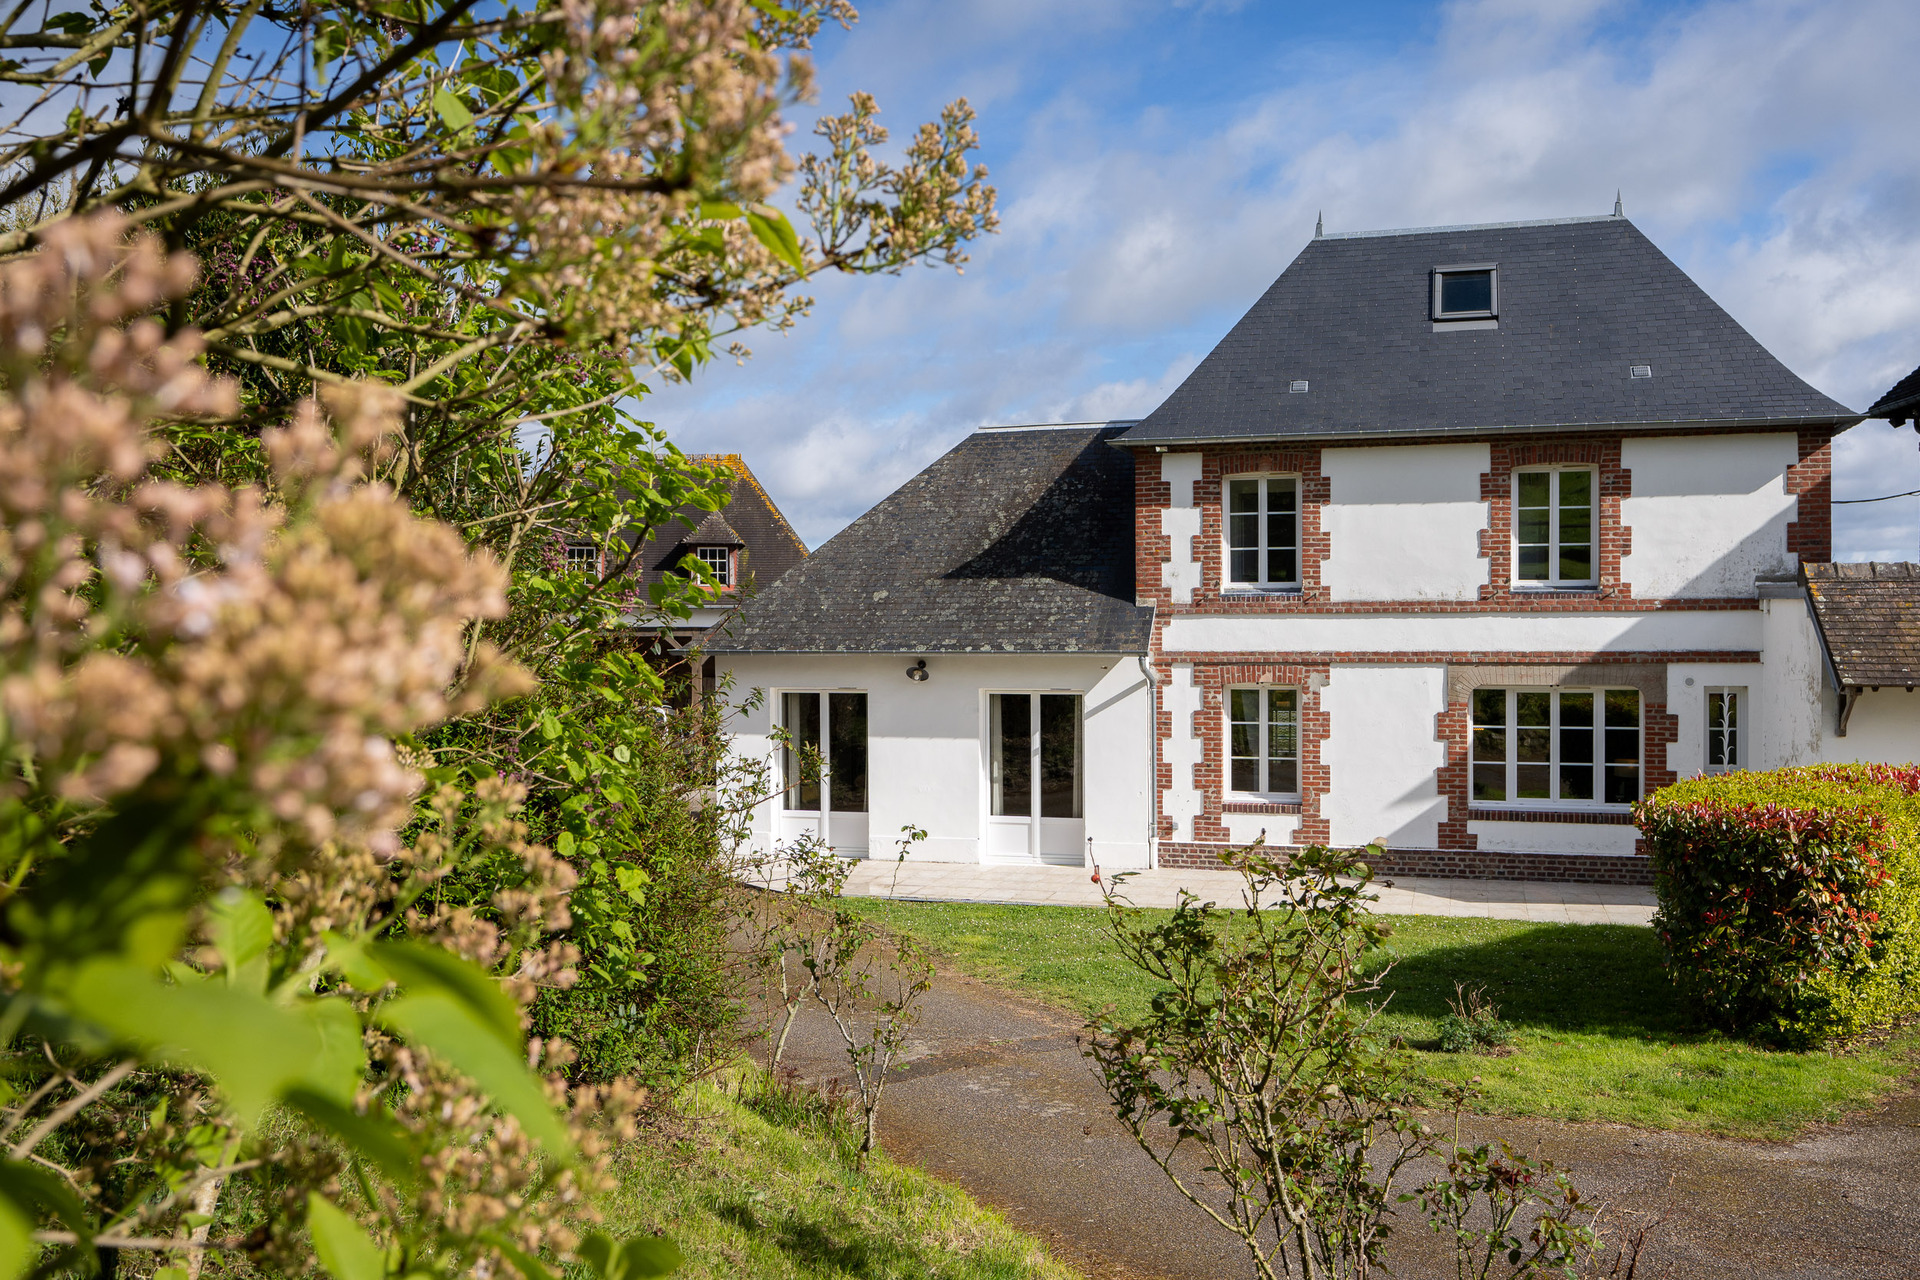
(750, 520)
(1581, 301)
(1015, 541)
(1901, 403)
(1869, 619)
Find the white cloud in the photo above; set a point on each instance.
(1763, 144)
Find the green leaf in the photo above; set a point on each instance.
(424, 969)
(17, 1247)
(348, 957)
(452, 111)
(718, 211)
(771, 228)
(378, 1140)
(345, 1250)
(242, 930)
(253, 1047)
(549, 726)
(622, 754)
(637, 1259)
(633, 882)
(450, 1029)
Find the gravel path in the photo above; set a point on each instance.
(997, 1098)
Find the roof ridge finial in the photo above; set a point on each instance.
(1319, 224)
(1619, 210)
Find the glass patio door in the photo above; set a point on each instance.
(823, 768)
(1035, 801)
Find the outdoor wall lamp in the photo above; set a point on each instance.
(918, 671)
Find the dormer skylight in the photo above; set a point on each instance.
(1469, 291)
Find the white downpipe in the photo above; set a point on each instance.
(1153, 762)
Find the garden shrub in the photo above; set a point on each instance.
(1789, 902)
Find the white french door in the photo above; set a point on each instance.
(1035, 801)
(823, 768)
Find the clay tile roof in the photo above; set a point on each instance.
(1344, 345)
(1902, 401)
(1016, 541)
(1869, 619)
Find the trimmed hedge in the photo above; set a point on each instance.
(1790, 900)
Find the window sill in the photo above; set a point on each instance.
(1529, 589)
(1259, 593)
(1261, 806)
(1596, 817)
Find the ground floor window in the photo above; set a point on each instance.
(826, 744)
(1556, 746)
(1263, 727)
(1035, 749)
(1726, 750)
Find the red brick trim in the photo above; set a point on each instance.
(1613, 483)
(1810, 535)
(1586, 817)
(1210, 775)
(1456, 864)
(1315, 493)
(1280, 807)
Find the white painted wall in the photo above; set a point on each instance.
(1793, 709)
(1180, 522)
(1454, 632)
(1687, 685)
(1382, 755)
(927, 741)
(1182, 801)
(1708, 513)
(1404, 522)
(1245, 828)
(1885, 726)
(1553, 837)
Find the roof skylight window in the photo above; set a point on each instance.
(1466, 292)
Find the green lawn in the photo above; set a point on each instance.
(772, 1192)
(1601, 1036)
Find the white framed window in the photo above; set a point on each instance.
(582, 558)
(1035, 751)
(826, 733)
(719, 563)
(1554, 518)
(1726, 730)
(1534, 748)
(1263, 531)
(1263, 742)
(1470, 291)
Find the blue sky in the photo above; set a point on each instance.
(1159, 163)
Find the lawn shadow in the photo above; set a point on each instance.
(1603, 979)
(839, 1247)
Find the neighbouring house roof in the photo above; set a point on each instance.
(1901, 403)
(1016, 541)
(1581, 301)
(750, 520)
(1869, 620)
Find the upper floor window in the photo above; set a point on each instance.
(582, 558)
(1553, 523)
(1556, 746)
(1263, 532)
(1264, 740)
(1470, 292)
(1725, 749)
(719, 563)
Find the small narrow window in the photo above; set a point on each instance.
(1726, 709)
(1553, 520)
(1553, 747)
(719, 563)
(1263, 532)
(582, 558)
(1263, 732)
(1465, 293)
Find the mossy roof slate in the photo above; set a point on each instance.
(1015, 541)
(1869, 619)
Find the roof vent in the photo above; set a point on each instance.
(1641, 371)
(1297, 385)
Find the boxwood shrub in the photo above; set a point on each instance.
(1789, 902)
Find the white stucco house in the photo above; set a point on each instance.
(1462, 540)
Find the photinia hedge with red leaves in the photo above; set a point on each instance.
(1790, 900)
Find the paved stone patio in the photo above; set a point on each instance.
(1399, 895)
